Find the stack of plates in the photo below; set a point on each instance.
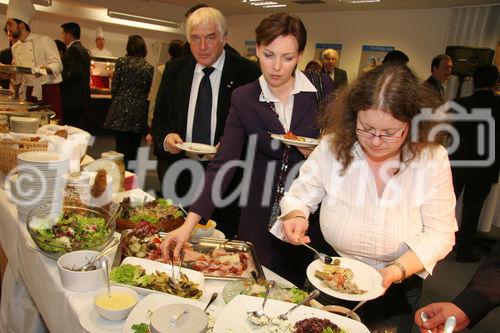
(24, 124)
(39, 182)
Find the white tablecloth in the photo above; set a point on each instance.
(32, 286)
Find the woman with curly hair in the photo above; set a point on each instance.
(384, 184)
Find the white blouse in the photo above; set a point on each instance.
(415, 211)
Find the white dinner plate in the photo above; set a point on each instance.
(307, 143)
(366, 278)
(141, 313)
(233, 318)
(151, 266)
(93, 323)
(196, 148)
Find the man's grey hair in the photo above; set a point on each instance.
(327, 51)
(206, 15)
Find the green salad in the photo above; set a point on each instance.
(71, 232)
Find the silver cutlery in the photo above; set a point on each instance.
(260, 314)
(212, 299)
(424, 318)
(311, 296)
(104, 265)
(450, 324)
(181, 261)
(348, 314)
(321, 256)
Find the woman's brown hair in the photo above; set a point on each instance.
(281, 24)
(391, 88)
(136, 47)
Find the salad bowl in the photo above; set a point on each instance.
(73, 229)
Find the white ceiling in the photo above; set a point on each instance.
(237, 7)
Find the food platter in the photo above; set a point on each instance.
(155, 267)
(303, 141)
(233, 318)
(364, 276)
(281, 291)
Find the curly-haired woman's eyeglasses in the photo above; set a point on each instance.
(390, 138)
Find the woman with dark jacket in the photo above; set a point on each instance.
(281, 100)
(128, 114)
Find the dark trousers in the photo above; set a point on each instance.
(73, 117)
(472, 203)
(127, 143)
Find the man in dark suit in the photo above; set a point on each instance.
(481, 296)
(475, 181)
(330, 59)
(209, 75)
(76, 76)
(441, 67)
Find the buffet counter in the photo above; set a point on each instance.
(32, 288)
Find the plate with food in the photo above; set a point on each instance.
(282, 291)
(346, 278)
(196, 148)
(140, 317)
(235, 318)
(147, 276)
(291, 139)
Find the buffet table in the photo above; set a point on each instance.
(32, 286)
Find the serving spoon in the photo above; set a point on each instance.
(311, 296)
(104, 265)
(321, 256)
(259, 314)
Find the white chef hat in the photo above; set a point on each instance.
(21, 9)
(99, 33)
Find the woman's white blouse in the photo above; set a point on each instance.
(416, 210)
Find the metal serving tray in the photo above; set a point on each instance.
(10, 69)
(208, 244)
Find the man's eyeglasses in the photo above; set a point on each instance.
(384, 137)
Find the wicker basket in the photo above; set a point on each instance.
(9, 149)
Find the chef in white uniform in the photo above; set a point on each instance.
(35, 51)
(100, 71)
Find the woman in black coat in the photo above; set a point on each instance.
(128, 113)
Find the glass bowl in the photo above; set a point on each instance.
(75, 228)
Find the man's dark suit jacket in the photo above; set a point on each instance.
(172, 101)
(76, 78)
(340, 78)
(482, 294)
(468, 146)
(435, 86)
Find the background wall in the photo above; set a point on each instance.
(421, 34)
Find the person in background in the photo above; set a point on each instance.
(175, 50)
(100, 41)
(313, 66)
(475, 181)
(281, 100)
(6, 59)
(76, 76)
(128, 113)
(61, 47)
(385, 190)
(38, 52)
(193, 101)
(330, 60)
(481, 296)
(441, 68)
(396, 57)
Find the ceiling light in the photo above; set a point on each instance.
(275, 6)
(144, 19)
(264, 3)
(46, 3)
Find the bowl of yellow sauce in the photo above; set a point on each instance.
(118, 306)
